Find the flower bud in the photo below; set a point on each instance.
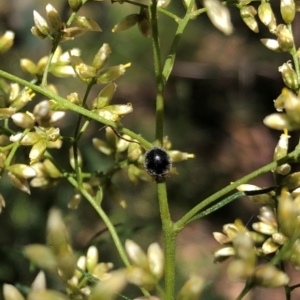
(292, 181)
(23, 120)
(192, 289)
(105, 96)
(102, 146)
(53, 17)
(87, 23)
(71, 32)
(51, 169)
(40, 23)
(11, 293)
(177, 156)
(85, 72)
(22, 171)
(6, 41)
(219, 16)
(19, 182)
(72, 158)
(271, 44)
(75, 4)
(37, 151)
(279, 102)
(134, 152)
(144, 23)
(112, 73)
(247, 14)
(269, 246)
(101, 56)
(74, 98)
(269, 276)
(6, 113)
(29, 66)
(126, 23)
(74, 201)
(91, 258)
(280, 122)
(163, 3)
(34, 30)
(266, 15)
(285, 37)
(2, 202)
(287, 10)
(282, 146)
(136, 254)
(264, 228)
(292, 105)
(156, 260)
(140, 277)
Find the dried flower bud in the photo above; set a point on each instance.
(112, 73)
(101, 56)
(53, 17)
(71, 32)
(126, 23)
(219, 16)
(248, 16)
(266, 15)
(40, 23)
(285, 37)
(6, 41)
(144, 23)
(288, 10)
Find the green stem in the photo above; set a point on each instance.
(81, 110)
(291, 157)
(295, 55)
(169, 241)
(158, 74)
(108, 224)
(248, 286)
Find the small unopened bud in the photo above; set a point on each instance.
(112, 73)
(288, 10)
(126, 23)
(177, 156)
(156, 260)
(191, 289)
(6, 41)
(140, 277)
(269, 276)
(87, 23)
(11, 293)
(247, 13)
(22, 171)
(271, 44)
(40, 23)
(29, 66)
(37, 151)
(291, 103)
(91, 258)
(163, 3)
(266, 15)
(136, 254)
(280, 122)
(35, 31)
(105, 96)
(101, 56)
(219, 15)
(53, 17)
(134, 152)
(289, 75)
(282, 146)
(75, 4)
(19, 182)
(72, 158)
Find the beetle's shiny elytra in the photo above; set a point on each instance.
(157, 163)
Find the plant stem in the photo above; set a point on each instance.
(169, 241)
(158, 74)
(294, 55)
(81, 110)
(291, 157)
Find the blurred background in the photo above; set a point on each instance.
(220, 90)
